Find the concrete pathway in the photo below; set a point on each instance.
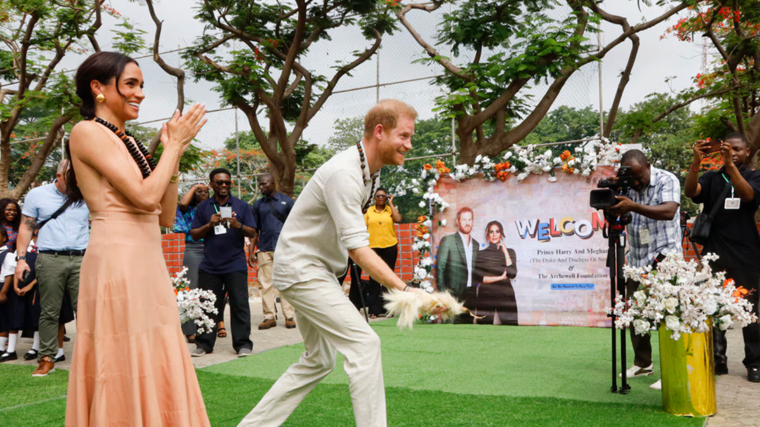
(738, 399)
(223, 351)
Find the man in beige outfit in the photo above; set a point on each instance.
(270, 212)
(325, 227)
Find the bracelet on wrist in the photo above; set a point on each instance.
(406, 288)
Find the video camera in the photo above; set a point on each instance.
(609, 188)
(685, 217)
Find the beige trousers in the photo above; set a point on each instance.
(328, 322)
(268, 292)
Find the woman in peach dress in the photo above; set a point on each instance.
(131, 366)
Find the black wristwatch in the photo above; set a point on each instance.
(20, 257)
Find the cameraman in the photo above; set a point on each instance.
(655, 229)
(733, 235)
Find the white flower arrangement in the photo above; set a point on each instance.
(194, 304)
(684, 296)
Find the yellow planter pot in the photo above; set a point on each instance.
(688, 374)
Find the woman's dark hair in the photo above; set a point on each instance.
(498, 224)
(16, 221)
(379, 189)
(103, 67)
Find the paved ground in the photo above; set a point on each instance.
(738, 399)
(223, 352)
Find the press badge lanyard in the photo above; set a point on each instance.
(219, 228)
(731, 202)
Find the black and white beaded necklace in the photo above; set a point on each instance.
(138, 151)
(364, 175)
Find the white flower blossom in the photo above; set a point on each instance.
(671, 304)
(641, 326)
(672, 323)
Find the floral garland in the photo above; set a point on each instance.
(194, 304)
(520, 161)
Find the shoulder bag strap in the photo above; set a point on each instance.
(55, 214)
(723, 195)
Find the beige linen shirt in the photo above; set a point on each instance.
(325, 223)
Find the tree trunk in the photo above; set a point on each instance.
(468, 148)
(285, 175)
(5, 162)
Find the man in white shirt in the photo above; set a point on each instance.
(325, 227)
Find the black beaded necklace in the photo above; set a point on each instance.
(138, 151)
(364, 175)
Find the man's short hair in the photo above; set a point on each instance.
(218, 171)
(464, 210)
(386, 113)
(637, 156)
(63, 166)
(266, 175)
(739, 136)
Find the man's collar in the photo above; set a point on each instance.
(468, 237)
(723, 169)
(55, 181)
(654, 172)
(229, 200)
(274, 196)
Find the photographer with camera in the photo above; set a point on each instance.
(653, 199)
(733, 234)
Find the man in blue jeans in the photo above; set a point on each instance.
(223, 222)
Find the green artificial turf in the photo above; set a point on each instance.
(439, 375)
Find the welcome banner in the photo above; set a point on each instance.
(528, 253)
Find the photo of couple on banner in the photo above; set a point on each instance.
(479, 275)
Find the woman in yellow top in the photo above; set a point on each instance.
(380, 220)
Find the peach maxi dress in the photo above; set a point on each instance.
(131, 365)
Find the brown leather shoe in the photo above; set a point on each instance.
(290, 323)
(267, 323)
(46, 366)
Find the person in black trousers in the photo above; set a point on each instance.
(223, 222)
(733, 235)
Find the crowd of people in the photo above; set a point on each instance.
(89, 244)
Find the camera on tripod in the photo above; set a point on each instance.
(609, 188)
(685, 217)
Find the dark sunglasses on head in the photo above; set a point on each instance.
(223, 183)
(380, 195)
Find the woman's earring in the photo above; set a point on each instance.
(101, 98)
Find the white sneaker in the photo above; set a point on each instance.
(198, 352)
(637, 371)
(657, 385)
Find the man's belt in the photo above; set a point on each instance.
(63, 253)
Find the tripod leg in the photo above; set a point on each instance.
(356, 276)
(624, 387)
(611, 263)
